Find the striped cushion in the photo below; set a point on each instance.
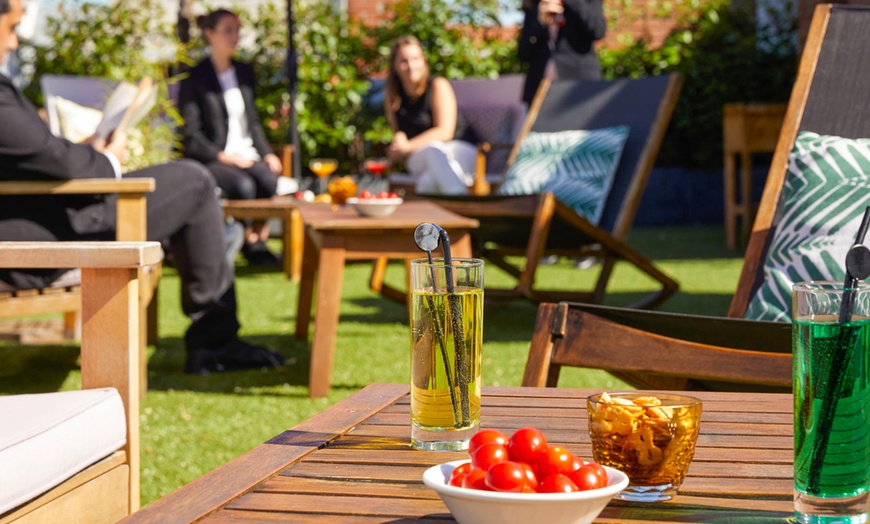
(576, 166)
(827, 188)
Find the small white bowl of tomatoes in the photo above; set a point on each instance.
(521, 479)
(381, 204)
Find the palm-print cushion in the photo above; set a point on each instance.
(576, 166)
(827, 188)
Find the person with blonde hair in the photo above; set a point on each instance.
(422, 113)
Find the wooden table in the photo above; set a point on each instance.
(284, 209)
(352, 463)
(333, 236)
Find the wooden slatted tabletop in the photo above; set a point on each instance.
(352, 463)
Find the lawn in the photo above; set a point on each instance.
(190, 425)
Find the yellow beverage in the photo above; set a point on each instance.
(446, 341)
(323, 167)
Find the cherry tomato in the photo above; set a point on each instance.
(506, 476)
(486, 436)
(586, 478)
(557, 483)
(527, 445)
(475, 479)
(459, 473)
(365, 194)
(457, 480)
(487, 455)
(602, 473)
(576, 463)
(555, 459)
(383, 194)
(531, 478)
(392, 195)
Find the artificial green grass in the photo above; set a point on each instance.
(191, 425)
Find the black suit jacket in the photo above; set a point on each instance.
(574, 52)
(28, 151)
(202, 106)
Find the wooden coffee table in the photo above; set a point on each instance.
(333, 236)
(353, 463)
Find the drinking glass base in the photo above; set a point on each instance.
(840, 510)
(448, 439)
(647, 493)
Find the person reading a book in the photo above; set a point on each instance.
(422, 113)
(183, 209)
(223, 130)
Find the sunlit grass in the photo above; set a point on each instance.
(190, 425)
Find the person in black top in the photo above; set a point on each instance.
(422, 113)
(557, 41)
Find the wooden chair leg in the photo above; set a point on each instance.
(72, 325)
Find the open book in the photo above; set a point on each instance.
(126, 106)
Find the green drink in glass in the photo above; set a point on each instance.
(831, 405)
(446, 341)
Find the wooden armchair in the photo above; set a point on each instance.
(108, 489)
(131, 227)
(677, 351)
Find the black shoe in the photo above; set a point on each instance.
(232, 356)
(257, 254)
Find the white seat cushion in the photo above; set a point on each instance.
(47, 438)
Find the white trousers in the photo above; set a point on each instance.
(443, 168)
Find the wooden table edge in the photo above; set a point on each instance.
(209, 493)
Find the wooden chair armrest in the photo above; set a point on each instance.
(82, 186)
(93, 255)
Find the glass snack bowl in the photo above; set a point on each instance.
(649, 436)
(472, 506)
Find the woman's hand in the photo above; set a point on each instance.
(547, 9)
(235, 161)
(274, 163)
(399, 148)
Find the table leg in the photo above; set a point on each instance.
(331, 266)
(310, 256)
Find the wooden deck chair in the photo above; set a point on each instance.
(55, 469)
(826, 99)
(535, 225)
(131, 222)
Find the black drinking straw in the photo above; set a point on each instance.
(857, 268)
(426, 236)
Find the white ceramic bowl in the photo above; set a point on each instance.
(471, 506)
(375, 207)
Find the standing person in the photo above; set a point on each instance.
(183, 208)
(422, 113)
(223, 130)
(557, 41)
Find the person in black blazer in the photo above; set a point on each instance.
(183, 209)
(223, 130)
(575, 26)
